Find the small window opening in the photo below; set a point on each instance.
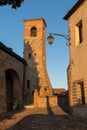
(32, 93)
(45, 89)
(82, 93)
(34, 55)
(28, 84)
(79, 33)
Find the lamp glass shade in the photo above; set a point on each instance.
(50, 39)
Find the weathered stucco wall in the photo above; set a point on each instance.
(77, 70)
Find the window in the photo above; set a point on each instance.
(28, 84)
(79, 33)
(34, 55)
(33, 32)
(80, 94)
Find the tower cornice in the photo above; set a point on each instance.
(36, 19)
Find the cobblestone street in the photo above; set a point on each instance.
(41, 119)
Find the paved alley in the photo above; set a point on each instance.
(41, 119)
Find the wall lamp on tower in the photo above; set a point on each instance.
(50, 38)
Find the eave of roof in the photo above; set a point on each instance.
(73, 9)
(9, 51)
(37, 19)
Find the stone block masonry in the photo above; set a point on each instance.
(35, 54)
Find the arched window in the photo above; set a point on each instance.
(33, 32)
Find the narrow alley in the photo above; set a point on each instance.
(41, 119)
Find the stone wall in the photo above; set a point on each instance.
(35, 55)
(45, 101)
(10, 68)
(79, 111)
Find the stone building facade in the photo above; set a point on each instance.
(35, 55)
(11, 79)
(77, 74)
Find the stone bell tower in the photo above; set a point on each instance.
(35, 55)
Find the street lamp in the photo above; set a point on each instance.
(50, 38)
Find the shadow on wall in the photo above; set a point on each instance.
(49, 109)
(63, 101)
(79, 110)
(31, 74)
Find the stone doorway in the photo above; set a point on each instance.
(13, 90)
(9, 90)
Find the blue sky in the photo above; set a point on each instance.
(53, 11)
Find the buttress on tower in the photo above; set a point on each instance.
(35, 55)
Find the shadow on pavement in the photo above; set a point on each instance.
(44, 119)
(10, 114)
(50, 118)
(39, 122)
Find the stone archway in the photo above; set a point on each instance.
(13, 89)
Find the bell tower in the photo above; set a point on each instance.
(35, 55)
